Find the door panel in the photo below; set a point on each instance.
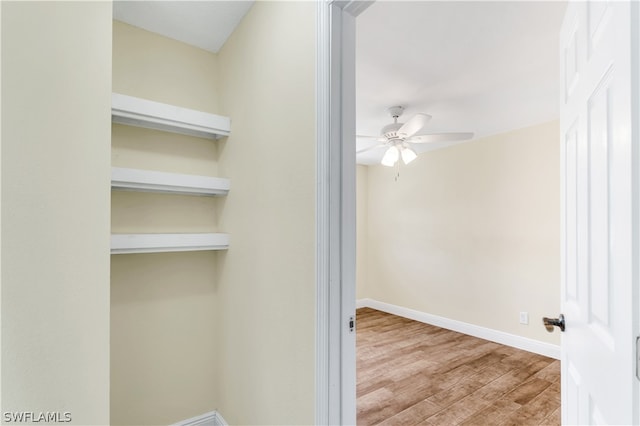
(599, 172)
(597, 277)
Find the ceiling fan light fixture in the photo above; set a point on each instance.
(408, 155)
(399, 138)
(390, 157)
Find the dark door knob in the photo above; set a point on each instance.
(549, 323)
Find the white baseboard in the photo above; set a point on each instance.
(363, 303)
(524, 343)
(212, 418)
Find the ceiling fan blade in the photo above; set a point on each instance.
(370, 148)
(440, 137)
(412, 126)
(377, 138)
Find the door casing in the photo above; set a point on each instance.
(335, 209)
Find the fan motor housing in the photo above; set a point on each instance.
(390, 131)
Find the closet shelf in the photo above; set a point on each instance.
(174, 183)
(159, 243)
(139, 112)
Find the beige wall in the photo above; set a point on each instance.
(362, 234)
(163, 305)
(471, 232)
(163, 347)
(164, 70)
(266, 311)
(56, 103)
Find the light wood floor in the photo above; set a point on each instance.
(413, 373)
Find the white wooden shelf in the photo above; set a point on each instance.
(159, 243)
(174, 183)
(169, 118)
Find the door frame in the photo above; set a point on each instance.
(335, 211)
(635, 201)
(335, 203)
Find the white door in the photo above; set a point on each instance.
(598, 301)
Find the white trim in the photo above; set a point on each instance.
(363, 303)
(335, 211)
(524, 343)
(140, 112)
(219, 420)
(356, 7)
(159, 243)
(323, 126)
(347, 111)
(154, 181)
(212, 418)
(635, 144)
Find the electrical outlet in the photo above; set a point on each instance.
(524, 318)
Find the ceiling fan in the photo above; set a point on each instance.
(400, 137)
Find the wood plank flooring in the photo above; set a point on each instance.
(410, 373)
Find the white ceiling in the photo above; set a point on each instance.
(204, 24)
(482, 67)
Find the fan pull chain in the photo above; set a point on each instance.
(397, 172)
